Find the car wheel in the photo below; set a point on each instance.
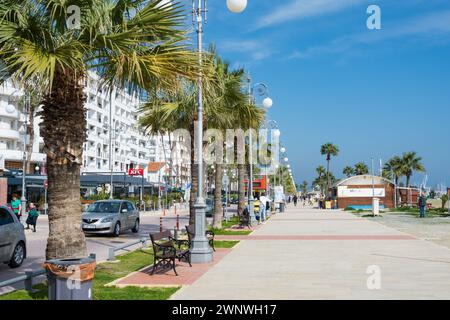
(18, 255)
(136, 227)
(116, 231)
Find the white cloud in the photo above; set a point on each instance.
(430, 26)
(257, 49)
(300, 9)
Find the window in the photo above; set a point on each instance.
(130, 207)
(5, 217)
(124, 206)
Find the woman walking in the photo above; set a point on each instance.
(32, 217)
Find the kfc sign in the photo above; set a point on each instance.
(136, 172)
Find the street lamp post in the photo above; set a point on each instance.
(201, 252)
(267, 103)
(23, 200)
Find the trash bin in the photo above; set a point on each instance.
(281, 206)
(70, 279)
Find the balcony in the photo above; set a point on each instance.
(10, 134)
(4, 108)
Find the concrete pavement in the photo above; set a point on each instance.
(307, 253)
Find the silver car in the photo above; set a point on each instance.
(110, 217)
(12, 239)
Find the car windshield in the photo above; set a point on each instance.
(104, 207)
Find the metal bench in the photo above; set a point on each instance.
(166, 250)
(190, 229)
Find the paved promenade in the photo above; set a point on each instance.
(313, 254)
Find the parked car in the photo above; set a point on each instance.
(209, 211)
(110, 217)
(13, 250)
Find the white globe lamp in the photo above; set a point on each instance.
(236, 6)
(283, 150)
(267, 103)
(10, 108)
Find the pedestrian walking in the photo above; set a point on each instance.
(422, 205)
(256, 208)
(295, 200)
(32, 217)
(265, 205)
(16, 207)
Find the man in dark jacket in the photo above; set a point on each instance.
(422, 205)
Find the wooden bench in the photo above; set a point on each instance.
(190, 229)
(166, 250)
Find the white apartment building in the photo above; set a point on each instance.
(13, 120)
(130, 147)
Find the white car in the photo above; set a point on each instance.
(12, 239)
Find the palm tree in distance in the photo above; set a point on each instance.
(330, 150)
(361, 168)
(348, 171)
(393, 170)
(134, 51)
(410, 162)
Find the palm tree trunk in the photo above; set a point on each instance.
(328, 177)
(64, 132)
(399, 199)
(241, 180)
(218, 197)
(408, 182)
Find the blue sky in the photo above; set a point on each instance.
(374, 93)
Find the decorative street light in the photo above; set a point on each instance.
(201, 252)
(236, 6)
(262, 90)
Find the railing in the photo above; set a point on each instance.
(112, 251)
(27, 279)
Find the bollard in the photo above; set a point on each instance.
(111, 254)
(178, 222)
(29, 281)
(160, 224)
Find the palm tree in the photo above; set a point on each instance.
(410, 162)
(229, 96)
(224, 107)
(348, 171)
(329, 150)
(393, 170)
(361, 168)
(304, 187)
(321, 179)
(131, 44)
